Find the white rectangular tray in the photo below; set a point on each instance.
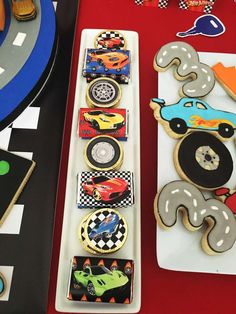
(178, 248)
(70, 244)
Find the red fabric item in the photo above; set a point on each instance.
(163, 291)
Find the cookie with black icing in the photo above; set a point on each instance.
(14, 174)
(204, 160)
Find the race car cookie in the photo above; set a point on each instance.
(96, 279)
(220, 234)
(188, 67)
(190, 114)
(105, 231)
(110, 39)
(99, 189)
(202, 159)
(226, 76)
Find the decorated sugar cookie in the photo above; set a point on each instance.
(182, 196)
(81, 235)
(14, 174)
(226, 77)
(188, 67)
(203, 160)
(193, 114)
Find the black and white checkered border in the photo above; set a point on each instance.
(183, 5)
(87, 201)
(208, 8)
(139, 2)
(106, 244)
(163, 4)
(107, 35)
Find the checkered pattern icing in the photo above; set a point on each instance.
(139, 2)
(108, 35)
(87, 201)
(106, 243)
(162, 4)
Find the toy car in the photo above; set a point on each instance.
(106, 228)
(105, 189)
(110, 60)
(2, 15)
(101, 120)
(192, 113)
(99, 279)
(23, 10)
(110, 42)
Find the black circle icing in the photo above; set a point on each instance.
(187, 163)
(110, 141)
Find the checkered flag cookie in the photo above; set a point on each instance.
(138, 2)
(108, 35)
(163, 4)
(117, 238)
(87, 201)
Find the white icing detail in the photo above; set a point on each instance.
(191, 90)
(184, 49)
(160, 60)
(219, 243)
(225, 215)
(164, 53)
(204, 70)
(227, 229)
(203, 86)
(194, 66)
(175, 191)
(194, 202)
(195, 216)
(185, 66)
(209, 78)
(166, 207)
(213, 23)
(203, 211)
(189, 56)
(214, 208)
(187, 192)
(174, 47)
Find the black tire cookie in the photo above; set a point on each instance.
(103, 93)
(204, 160)
(104, 152)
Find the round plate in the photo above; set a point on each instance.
(33, 45)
